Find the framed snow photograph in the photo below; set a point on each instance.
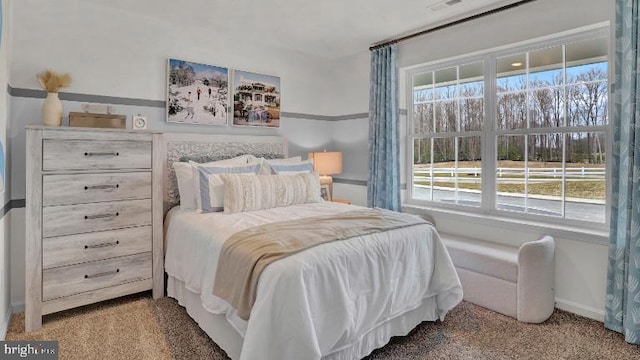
(256, 99)
(197, 93)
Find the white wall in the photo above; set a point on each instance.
(5, 280)
(352, 138)
(580, 267)
(17, 266)
(536, 19)
(117, 53)
(351, 78)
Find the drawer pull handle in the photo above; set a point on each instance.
(100, 216)
(102, 154)
(106, 273)
(101, 187)
(97, 246)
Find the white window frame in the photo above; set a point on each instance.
(490, 133)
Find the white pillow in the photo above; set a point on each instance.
(184, 176)
(250, 193)
(209, 187)
(303, 167)
(266, 169)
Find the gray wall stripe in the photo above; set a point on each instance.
(325, 117)
(41, 94)
(306, 116)
(350, 181)
(351, 117)
(403, 186)
(17, 203)
(12, 204)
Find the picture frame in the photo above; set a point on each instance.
(197, 93)
(325, 192)
(256, 99)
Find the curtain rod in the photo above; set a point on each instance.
(453, 23)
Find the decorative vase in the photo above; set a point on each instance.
(52, 110)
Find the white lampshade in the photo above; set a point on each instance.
(327, 163)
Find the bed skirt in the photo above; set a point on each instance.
(226, 337)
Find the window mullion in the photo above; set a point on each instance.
(526, 137)
(457, 139)
(431, 168)
(563, 185)
(489, 140)
(410, 135)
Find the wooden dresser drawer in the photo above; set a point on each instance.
(75, 249)
(75, 279)
(83, 218)
(89, 188)
(95, 154)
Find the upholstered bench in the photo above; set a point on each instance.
(518, 282)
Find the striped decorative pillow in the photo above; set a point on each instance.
(250, 193)
(210, 187)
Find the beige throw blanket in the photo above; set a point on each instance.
(247, 253)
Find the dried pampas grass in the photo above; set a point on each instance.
(52, 81)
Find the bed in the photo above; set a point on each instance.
(338, 300)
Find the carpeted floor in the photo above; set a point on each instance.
(137, 327)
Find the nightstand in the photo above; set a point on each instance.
(342, 201)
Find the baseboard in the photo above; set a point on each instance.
(5, 324)
(17, 307)
(579, 309)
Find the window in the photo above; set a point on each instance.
(448, 122)
(521, 132)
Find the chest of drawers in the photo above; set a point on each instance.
(93, 218)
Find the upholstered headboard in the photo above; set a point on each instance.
(177, 146)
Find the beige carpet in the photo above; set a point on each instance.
(137, 327)
(125, 328)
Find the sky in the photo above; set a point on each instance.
(514, 80)
(201, 70)
(240, 76)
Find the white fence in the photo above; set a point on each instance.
(573, 172)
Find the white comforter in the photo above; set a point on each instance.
(320, 300)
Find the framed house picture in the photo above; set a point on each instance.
(324, 192)
(197, 93)
(256, 99)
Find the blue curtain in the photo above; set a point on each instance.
(383, 189)
(622, 305)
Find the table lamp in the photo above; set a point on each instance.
(327, 163)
